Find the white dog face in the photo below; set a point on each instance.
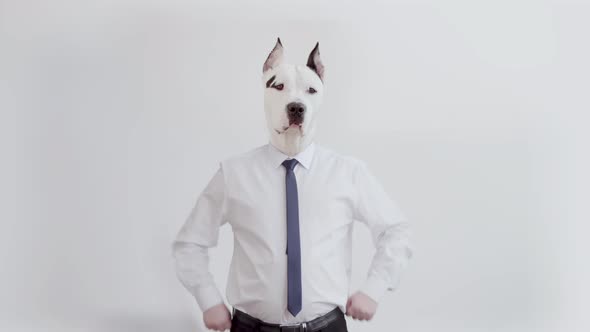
(292, 94)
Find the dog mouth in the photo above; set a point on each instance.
(293, 126)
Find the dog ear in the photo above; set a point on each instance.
(275, 57)
(315, 63)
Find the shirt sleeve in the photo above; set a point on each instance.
(389, 230)
(200, 232)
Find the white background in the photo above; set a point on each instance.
(474, 115)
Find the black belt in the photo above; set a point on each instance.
(242, 318)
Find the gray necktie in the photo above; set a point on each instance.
(293, 246)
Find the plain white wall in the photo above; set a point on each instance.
(116, 113)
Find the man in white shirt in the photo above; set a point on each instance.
(291, 204)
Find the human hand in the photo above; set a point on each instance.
(360, 306)
(217, 318)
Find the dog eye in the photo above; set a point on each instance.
(279, 86)
(311, 90)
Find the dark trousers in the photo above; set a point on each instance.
(337, 325)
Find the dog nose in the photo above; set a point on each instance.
(295, 110)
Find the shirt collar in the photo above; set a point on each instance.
(303, 157)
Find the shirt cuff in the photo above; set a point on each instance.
(207, 297)
(375, 288)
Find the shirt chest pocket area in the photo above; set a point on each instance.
(324, 214)
(257, 224)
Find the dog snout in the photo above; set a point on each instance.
(295, 111)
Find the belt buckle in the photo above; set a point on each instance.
(302, 327)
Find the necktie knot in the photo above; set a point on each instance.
(290, 164)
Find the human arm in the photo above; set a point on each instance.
(200, 232)
(390, 232)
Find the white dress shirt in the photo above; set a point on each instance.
(248, 192)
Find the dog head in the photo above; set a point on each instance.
(292, 98)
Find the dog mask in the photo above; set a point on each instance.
(292, 99)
